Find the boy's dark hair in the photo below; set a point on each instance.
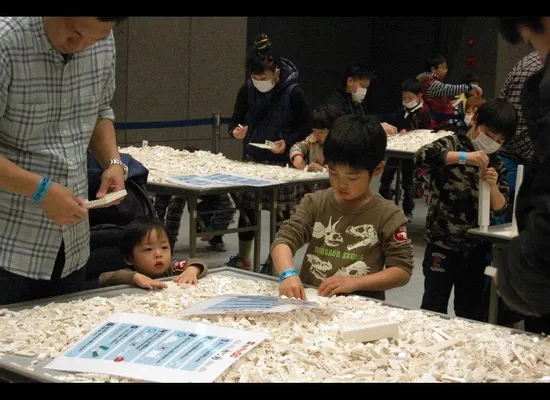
(262, 58)
(324, 116)
(411, 85)
(508, 27)
(358, 71)
(499, 116)
(118, 20)
(137, 230)
(469, 77)
(357, 142)
(435, 61)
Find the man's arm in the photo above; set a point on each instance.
(103, 145)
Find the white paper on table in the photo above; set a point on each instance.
(250, 304)
(157, 349)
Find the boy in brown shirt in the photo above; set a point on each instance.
(357, 240)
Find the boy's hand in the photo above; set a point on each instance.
(188, 276)
(337, 285)
(145, 282)
(402, 131)
(477, 158)
(298, 162)
(292, 287)
(315, 167)
(490, 176)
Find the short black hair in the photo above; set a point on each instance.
(137, 230)
(435, 61)
(324, 116)
(262, 58)
(356, 141)
(508, 27)
(358, 71)
(118, 20)
(498, 115)
(411, 85)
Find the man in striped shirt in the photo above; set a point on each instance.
(57, 78)
(436, 94)
(519, 149)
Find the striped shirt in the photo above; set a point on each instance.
(519, 147)
(48, 110)
(439, 89)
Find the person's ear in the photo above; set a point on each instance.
(379, 168)
(129, 260)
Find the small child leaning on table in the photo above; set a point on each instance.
(147, 249)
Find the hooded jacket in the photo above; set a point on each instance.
(280, 114)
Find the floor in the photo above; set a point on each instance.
(409, 296)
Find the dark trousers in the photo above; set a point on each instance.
(444, 268)
(15, 288)
(282, 215)
(407, 175)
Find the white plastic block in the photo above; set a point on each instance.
(490, 271)
(484, 207)
(370, 330)
(107, 199)
(519, 181)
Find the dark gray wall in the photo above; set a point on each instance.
(174, 68)
(394, 47)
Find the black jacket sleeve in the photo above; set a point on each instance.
(523, 279)
(239, 110)
(303, 118)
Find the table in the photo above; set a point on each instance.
(13, 368)
(499, 236)
(400, 155)
(192, 194)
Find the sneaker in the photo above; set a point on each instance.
(266, 269)
(409, 216)
(217, 245)
(239, 263)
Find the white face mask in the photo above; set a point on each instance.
(485, 144)
(359, 95)
(263, 86)
(411, 104)
(468, 119)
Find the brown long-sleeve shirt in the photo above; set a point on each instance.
(345, 241)
(126, 276)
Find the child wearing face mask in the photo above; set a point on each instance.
(438, 94)
(414, 115)
(349, 96)
(270, 106)
(456, 164)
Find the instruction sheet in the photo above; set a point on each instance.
(219, 180)
(250, 304)
(157, 349)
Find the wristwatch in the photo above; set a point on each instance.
(115, 161)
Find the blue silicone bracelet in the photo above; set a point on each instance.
(287, 273)
(42, 189)
(462, 156)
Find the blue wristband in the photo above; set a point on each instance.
(462, 157)
(42, 189)
(287, 273)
